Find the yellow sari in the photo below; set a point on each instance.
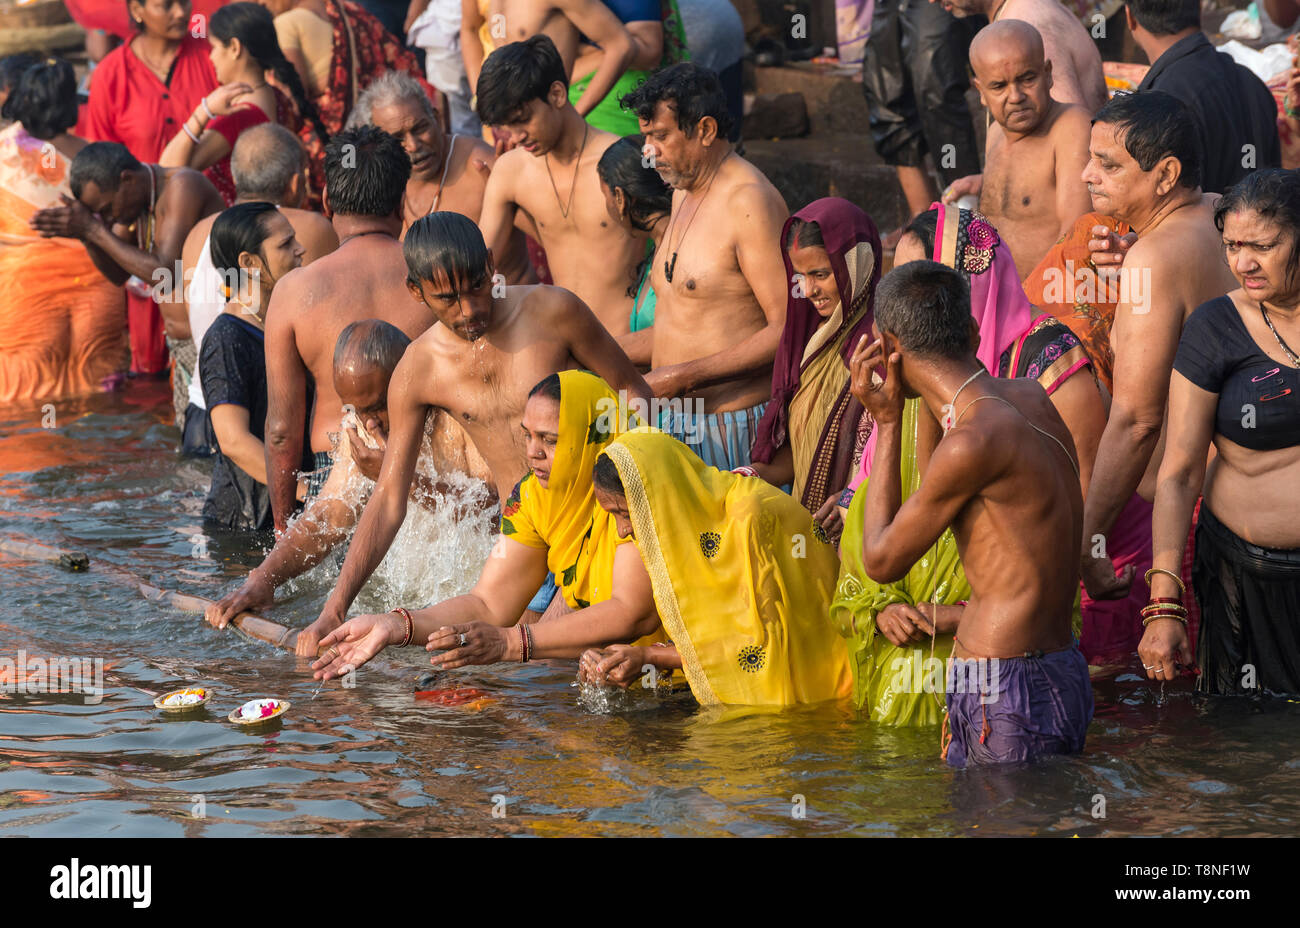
(564, 518)
(742, 577)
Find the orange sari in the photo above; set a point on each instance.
(62, 325)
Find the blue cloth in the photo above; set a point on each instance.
(723, 440)
(544, 595)
(320, 472)
(1011, 710)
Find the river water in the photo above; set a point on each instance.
(104, 478)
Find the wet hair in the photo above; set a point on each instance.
(389, 88)
(548, 386)
(102, 164)
(623, 167)
(446, 244)
(923, 226)
(515, 75)
(691, 90)
(1154, 125)
(44, 99)
(926, 306)
(1166, 17)
(377, 343)
(254, 26)
(804, 233)
(605, 476)
(241, 228)
(1274, 195)
(264, 161)
(366, 171)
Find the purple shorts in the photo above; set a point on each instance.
(1015, 709)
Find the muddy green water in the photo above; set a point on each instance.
(370, 760)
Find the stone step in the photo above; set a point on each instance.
(834, 165)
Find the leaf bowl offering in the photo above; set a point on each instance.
(185, 700)
(258, 711)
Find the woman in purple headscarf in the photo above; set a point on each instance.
(808, 436)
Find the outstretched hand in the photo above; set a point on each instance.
(255, 593)
(355, 642)
(882, 398)
(471, 643)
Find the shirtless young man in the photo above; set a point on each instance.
(1005, 477)
(1174, 266)
(1036, 147)
(447, 171)
(565, 23)
(718, 274)
(1076, 63)
(548, 185)
(366, 171)
(477, 364)
(133, 219)
(364, 359)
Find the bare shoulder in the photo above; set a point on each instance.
(600, 140)
(286, 300)
(1072, 122)
(480, 150)
(543, 302)
(753, 198)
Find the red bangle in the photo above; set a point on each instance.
(410, 625)
(1166, 600)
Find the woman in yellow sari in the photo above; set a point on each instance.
(742, 579)
(899, 683)
(813, 429)
(551, 522)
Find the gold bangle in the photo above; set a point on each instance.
(1182, 588)
(1177, 618)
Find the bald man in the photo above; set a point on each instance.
(1037, 147)
(365, 356)
(268, 164)
(1074, 56)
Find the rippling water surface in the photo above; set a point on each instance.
(371, 760)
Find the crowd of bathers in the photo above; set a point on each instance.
(1047, 426)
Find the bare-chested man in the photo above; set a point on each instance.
(477, 364)
(366, 171)
(718, 274)
(133, 219)
(1005, 477)
(1145, 169)
(447, 171)
(548, 185)
(566, 23)
(1076, 63)
(1036, 147)
(364, 360)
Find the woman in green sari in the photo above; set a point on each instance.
(896, 651)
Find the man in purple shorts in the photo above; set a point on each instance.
(1005, 477)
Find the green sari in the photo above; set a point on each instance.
(897, 685)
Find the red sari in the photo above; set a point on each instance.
(363, 50)
(232, 125)
(130, 105)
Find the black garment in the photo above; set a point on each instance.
(1259, 398)
(1232, 108)
(232, 365)
(1250, 613)
(194, 437)
(914, 78)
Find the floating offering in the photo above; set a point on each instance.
(256, 711)
(468, 696)
(182, 700)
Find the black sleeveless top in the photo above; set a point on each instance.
(1259, 398)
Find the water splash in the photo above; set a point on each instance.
(438, 552)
